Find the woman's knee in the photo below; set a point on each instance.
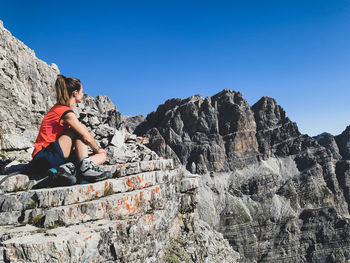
(65, 142)
(70, 133)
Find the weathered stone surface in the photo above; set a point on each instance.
(189, 184)
(118, 139)
(16, 183)
(102, 224)
(214, 133)
(343, 142)
(276, 134)
(343, 175)
(258, 208)
(144, 166)
(131, 122)
(328, 141)
(61, 196)
(116, 233)
(26, 83)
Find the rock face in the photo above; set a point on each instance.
(276, 134)
(343, 142)
(328, 141)
(146, 213)
(25, 83)
(275, 194)
(204, 134)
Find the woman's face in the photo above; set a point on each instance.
(79, 95)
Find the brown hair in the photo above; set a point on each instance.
(64, 88)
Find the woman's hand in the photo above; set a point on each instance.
(102, 151)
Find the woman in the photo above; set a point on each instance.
(61, 131)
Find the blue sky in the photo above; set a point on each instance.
(141, 53)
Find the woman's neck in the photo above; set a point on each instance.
(71, 102)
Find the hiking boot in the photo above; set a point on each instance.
(63, 175)
(88, 173)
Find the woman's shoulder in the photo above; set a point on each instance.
(60, 106)
(60, 109)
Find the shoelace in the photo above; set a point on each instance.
(71, 168)
(96, 168)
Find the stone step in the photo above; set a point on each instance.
(113, 206)
(58, 196)
(78, 243)
(16, 183)
(21, 182)
(104, 240)
(11, 231)
(143, 166)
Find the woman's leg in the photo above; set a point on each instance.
(98, 158)
(82, 152)
(66, 141)
(69, 138)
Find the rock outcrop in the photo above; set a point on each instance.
(25, 95)
(343, 142)
(145, 214)
(204, 134)
(276, 195)
(328, 141)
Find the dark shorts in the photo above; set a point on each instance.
(50, 156)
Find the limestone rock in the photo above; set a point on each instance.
(26, 84)
(276, 134)
(214, 133)
(260, 176)
(328, 141)
(131, 122)
(343, 142)
(136, 217)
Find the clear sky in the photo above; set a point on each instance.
(141, 53)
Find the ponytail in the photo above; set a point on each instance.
(64, 88)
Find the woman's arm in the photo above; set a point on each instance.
(81, 130)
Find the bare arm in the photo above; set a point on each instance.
(81, 130)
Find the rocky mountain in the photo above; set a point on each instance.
(275, 194)
(146, 213)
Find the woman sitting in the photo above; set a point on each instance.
(62, 134)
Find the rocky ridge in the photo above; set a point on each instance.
(275, 194)
(205, 134)
(146, 213)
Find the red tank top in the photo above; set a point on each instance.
(52, 127)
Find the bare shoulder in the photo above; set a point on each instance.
(70, 118)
